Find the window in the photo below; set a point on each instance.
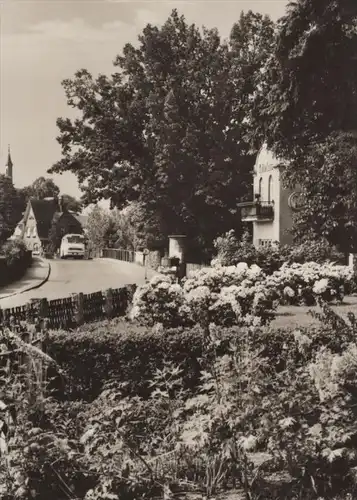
(270, 189)
(76, 238)
(28, 232)
(33, 232)
(265, 243)
(260, 186)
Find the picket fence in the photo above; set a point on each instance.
(69, 312)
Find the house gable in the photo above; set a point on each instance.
(30, 234)
(68, 223)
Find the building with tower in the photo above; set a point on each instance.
(9, 165)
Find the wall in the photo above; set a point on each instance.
(285, 216)
(265, 168)
(276, 230)
(30, 235)
(177, 247)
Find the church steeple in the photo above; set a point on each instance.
(9, 164)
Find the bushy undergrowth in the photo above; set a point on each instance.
(227, 296)
(231, 251)
(237, 295)
(123, 351)
(14, 260)
(271, 416)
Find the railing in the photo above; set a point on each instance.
(124, 255)
(257, 210)
(119, 254)
(70, 312)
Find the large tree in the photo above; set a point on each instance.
(168, 129)
(72, 204)
(45, 187)
(98, 225)
(309, 116)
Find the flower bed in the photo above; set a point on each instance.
(301, 283)
(233, 295)
(238, 295)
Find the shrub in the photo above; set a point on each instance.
(158, 301)
(272, 414)
(123, 351)
(312, 250)
(230, 251)
(302, 283)
(223, 295)
(14, 261)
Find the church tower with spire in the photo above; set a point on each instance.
(9, 165)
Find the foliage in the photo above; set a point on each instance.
(313, 39)
(42, 187)
(45, 187)
(121, 351)
(303, 283)
(230, 250)
(168, 128)
(14, 262)
(10, 208)
(137, 229)
(71, 204)
(271, 416)
(329, 189)
(98, 225)
(55, 236)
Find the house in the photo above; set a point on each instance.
(83, 220)
(39, 218)
(271, 209)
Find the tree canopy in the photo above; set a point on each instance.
(309, 114)
(44, 187)
(169, 127)
(10, 208)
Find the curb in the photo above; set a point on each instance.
(32, 287)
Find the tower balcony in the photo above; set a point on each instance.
(257, 211)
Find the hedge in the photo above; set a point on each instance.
(119, 350)
(96, 354)
(15, 259)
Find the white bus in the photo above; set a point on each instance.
(72, 245)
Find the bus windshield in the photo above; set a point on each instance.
(75, 238)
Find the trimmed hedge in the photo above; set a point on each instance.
(15, 259)
(120, 350)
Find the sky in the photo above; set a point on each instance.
(45, 41)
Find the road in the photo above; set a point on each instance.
(87, 276)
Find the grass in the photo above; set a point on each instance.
(298, 316)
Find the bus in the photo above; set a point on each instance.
(72, 245)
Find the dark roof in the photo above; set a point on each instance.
(82, 219)
(44, 210)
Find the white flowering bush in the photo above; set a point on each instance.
(158, 301)
(302, 283)
(233, 295)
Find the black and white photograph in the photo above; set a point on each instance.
(178, 250)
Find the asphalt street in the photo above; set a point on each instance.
(87, 276)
